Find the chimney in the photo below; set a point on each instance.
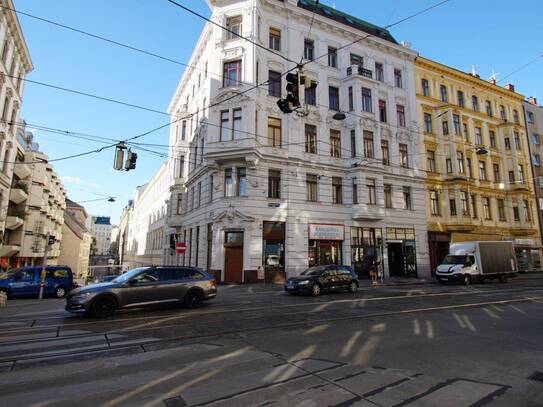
(510, 87)
(532, 100)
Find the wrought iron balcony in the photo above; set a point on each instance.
(359, 70)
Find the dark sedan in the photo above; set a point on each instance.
(142, 286)
(318, 279)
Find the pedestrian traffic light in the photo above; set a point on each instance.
(293, 89)
(130, 163)
(119, 156)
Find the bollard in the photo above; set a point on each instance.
(3, 299)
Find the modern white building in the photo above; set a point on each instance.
(100, 228)
(257, 194)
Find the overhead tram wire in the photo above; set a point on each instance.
(521, 68)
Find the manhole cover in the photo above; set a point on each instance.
(536, 376)
(176, 401)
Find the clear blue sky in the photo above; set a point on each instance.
(489, 34)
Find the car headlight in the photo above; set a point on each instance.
(303, 282)
(82, 296)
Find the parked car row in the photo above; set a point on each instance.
(25, 281)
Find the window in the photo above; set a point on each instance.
(448, 165)
(460, 161)
(527, 211)
(199, 196)
(464, 202)
(434, 203)
(311, 187)
(274, 184)
(368, 144)
(332, 57)
(388, 195)
(496, 171)
(478, 135)
(242, 181)
(452, 206)
(515, 116)
(443, 93)
(370, 186)
(445, 128)
(309, 49)
(507, 143)
(431, 160)
(407, 198)
(520, 169)
(310, 95)
(233, 27)
(379, 72)
(355, 192)
(337, 190)
(310, 139)
(181, 166)
(385, 152)
(225, 125)
(400, 112)
(428, 123)
(486, 208)
(353, 144)
(333, 98)
(398, 78)
(202, 144)
(492, 136)
(466, 132)
(183, 129)
(516, 213)
(335, 143)
(275, 39)
(456, 124)
(228, 182)
(530, 117)
(5, 51)
(179, 203)
(274, 84)
(537, 159)
(382, 111)
(357, 60)
(460, 97)
(475, 103)
(474, 206)
(488, 106)
(210, 187)
(425, 87)
(482, 170)
(502, 112)
(517, 140)
(366, 100)
(351, 101)
(274, 132)
(231, 73)
(535, 138)
(501, 210)
(511, 176)
(404, 157)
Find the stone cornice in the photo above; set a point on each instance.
(17, 34)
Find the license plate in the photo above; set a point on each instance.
(290, 286)
(444, 279)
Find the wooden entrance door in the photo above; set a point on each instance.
(233, 257)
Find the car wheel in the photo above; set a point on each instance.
(60, 292)
(353, 287)
(316, 290)
(193, 299)
(467, 279)
(103, 307)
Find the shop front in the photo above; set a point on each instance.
(401, 251)
(366, 249)
(273, 251)
(325, 244)
(528, 255)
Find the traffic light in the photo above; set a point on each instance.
(284, 106)
(51, 240)
(119, 156)
(130, 163)
(293, 89)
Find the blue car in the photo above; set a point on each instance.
(25, 281)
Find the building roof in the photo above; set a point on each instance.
(76, 227)
(72, 204)
(346, 19)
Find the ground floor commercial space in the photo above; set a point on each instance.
(528, 250)
(243, 249)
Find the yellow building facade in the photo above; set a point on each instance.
(479, 183)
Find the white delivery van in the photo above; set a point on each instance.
(468, 262)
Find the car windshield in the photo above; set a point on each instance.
(8, 274)
(450, 259)
(313, 271)
(129, 274)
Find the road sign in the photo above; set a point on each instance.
(180, 247)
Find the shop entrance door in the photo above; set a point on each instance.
(233, 257)
(396, 266)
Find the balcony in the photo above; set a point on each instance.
(8, 250)
(368, 212)
(13, 222)
(17, 195)
(21, 170)
(358, 70)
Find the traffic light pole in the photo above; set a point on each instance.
(43, 267)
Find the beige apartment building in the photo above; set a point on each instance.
(478, 174)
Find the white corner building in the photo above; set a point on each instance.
(259, 195)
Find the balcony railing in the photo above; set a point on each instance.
(358, 70)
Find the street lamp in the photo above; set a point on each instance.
(339, 116)
(481, 151)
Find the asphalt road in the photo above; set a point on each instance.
(406, 345)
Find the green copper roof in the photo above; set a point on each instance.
(346, 19)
